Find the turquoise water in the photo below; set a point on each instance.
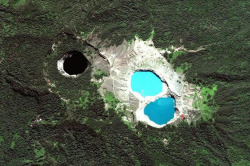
(161, 110)
(146, 83)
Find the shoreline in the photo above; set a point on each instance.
(143, 56)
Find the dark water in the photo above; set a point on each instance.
(75, 63)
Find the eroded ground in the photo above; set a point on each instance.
(37, 127)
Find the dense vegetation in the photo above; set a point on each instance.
(82, 132)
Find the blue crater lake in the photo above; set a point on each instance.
(146, 83)
(161, 110)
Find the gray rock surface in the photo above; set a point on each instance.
(127, 58)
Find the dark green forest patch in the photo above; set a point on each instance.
(36, 127)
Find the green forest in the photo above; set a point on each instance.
(38, 128)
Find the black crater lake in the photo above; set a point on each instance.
(75, 63)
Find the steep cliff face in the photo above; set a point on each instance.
(37, 127)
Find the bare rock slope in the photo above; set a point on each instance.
(137, 55)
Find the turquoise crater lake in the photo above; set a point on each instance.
(146, 83)
(161, 110)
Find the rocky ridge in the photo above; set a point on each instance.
(140, 55)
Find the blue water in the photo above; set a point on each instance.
(146, 83)
(161, 110)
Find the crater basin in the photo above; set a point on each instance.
(146, 83)
(75, 63)
(161, 110)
